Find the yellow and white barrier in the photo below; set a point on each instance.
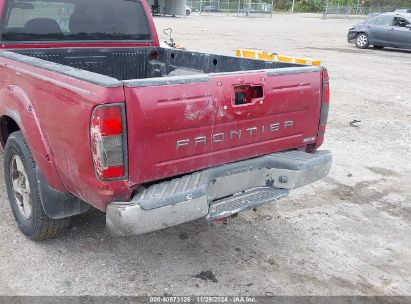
(274, 57)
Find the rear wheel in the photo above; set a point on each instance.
(188, 12)
(362, 41)
(23, 192)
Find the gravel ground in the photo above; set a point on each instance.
(349, 234)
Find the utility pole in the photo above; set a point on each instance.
(292, 7)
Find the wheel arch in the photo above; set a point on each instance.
(18, 114)
(8, 125)
(56, 204)
(362, 32)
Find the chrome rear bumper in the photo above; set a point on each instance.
(217, 192)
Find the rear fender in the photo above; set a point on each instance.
(16, 104)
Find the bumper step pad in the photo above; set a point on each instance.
(263, 173)
(244, 201)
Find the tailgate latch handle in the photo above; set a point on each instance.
(244, 94)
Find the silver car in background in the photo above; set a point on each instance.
(388, 29)
(403, 10)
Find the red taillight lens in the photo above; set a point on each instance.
(325, 74)
(325, 100)
(326, 90)
(107, 141)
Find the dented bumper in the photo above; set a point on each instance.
(217, 192)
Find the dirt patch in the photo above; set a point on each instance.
(206, 276)
(383, 171)
(361, 193)
(339, 50)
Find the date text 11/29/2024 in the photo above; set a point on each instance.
(203, 299)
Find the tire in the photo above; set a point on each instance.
(378, 47)
(23, 192)
(188, 12)
(361, 41)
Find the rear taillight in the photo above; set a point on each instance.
(108, 141)
(325, 101)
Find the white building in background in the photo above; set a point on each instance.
(170, 7)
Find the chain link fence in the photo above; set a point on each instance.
(345, 11)
(238, 8)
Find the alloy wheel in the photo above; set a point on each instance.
(21, 186)
(362, 40)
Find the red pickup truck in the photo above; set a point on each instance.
(94, 112)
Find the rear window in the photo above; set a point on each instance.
(55, 20)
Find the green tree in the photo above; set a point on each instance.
(318, 5)
(309, 5)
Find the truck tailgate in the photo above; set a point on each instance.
(178, 125)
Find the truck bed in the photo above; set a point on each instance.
(141, 63)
